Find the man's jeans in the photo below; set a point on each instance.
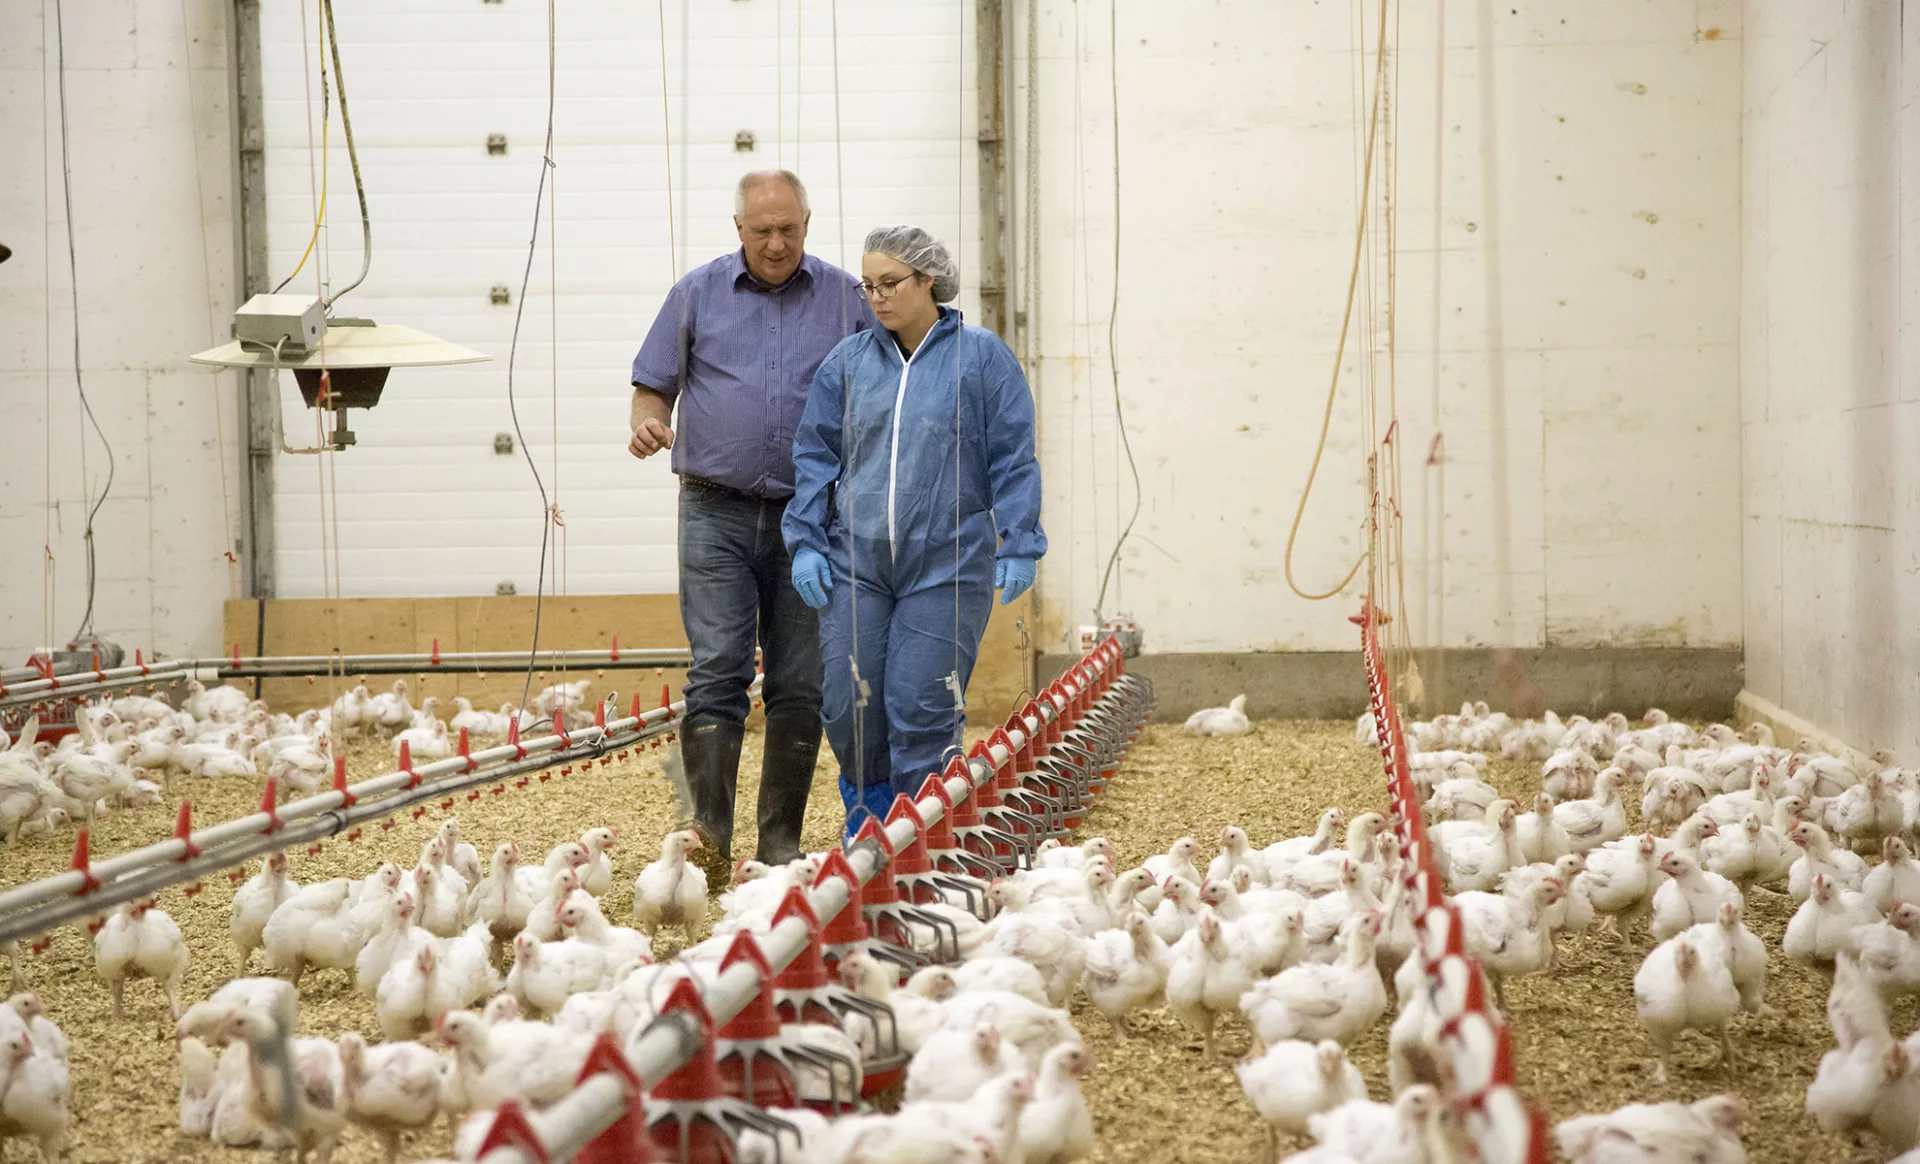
(736, 587)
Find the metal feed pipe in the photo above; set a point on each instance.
(394, 791)
(1474, 1040)
(90, 681)
(599, 1101)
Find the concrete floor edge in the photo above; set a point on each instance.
(1691, 682)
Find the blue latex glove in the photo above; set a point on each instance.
(1011, 576)
(813, 579)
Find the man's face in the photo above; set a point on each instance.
(773, 231)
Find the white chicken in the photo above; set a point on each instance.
(442, 904)
(200, 1090)
(1819, 856)
(390, 1089)
(1055, 1126)
(1509, 932)
(1178, 910)
(462, 972)
(1750, 853)
(1569, 774)
(1685, 983)
(1869, 811)
(1707, 1132)
(1689, 896)
(500, 899)
(1479, 860)
(461, 855)
(1236, 853)
(1205, 979)
(1321, 873)
(596, 876)
(1317, 1001)
(1541, 836)
(423, 743)
(34, 1089)
(139, 941)
(581, 918)
(545, 973)
(327, 924)
(1596, 820)
(1295, 1080)
(394, 939)
(1046, 939)
(915, 1006)
(1323, 917)
(1746, 956)
(1402, 1132)
(402, 993)
(1283, 855)
(1850, 1082)
(1125, 969)
(953, 1064)
(254, 903)
(389, 711)
(318, 1099)
(1824, 924)
(999, 973)
(1032, 1030)
(1230, 720)
(672, 891)
(1895, 879)
(1053, 855)
(1463, 799)
(1177, 861)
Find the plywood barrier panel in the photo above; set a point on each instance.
(316, 626)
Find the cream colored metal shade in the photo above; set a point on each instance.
(348, 345)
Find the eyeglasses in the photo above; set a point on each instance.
(885, 288)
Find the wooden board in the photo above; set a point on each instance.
(315, 626)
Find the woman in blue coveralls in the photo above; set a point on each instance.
(916, 495)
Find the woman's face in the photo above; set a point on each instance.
(895, 293)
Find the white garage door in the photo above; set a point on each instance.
(424, 504)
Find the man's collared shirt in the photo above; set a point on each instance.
(739, 358)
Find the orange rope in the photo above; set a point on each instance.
(1346, 321)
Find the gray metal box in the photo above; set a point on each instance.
(267, 320)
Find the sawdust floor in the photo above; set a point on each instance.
(1578, 1048)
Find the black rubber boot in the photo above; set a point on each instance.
(786, 777)
(711, 750)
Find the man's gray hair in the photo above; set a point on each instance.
(759, 177)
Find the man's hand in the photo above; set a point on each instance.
(649, 437)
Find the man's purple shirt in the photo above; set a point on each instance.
(740, 359)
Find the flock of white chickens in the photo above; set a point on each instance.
(1302, 938)
(127, 751)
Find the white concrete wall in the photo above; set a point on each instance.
(1830, 368)
(1568, 214)
(1568, 211)
(151, 180)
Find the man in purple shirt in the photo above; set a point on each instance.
(736, 344)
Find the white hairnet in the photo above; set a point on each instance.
(921, 251)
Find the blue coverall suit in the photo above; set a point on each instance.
(876, 457)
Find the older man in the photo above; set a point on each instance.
(736, 344)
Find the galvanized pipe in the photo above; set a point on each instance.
(247, 667)
(170, 851)
(142, 872)
(85, 682)
(75, 684)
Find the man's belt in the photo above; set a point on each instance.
(716, 489)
